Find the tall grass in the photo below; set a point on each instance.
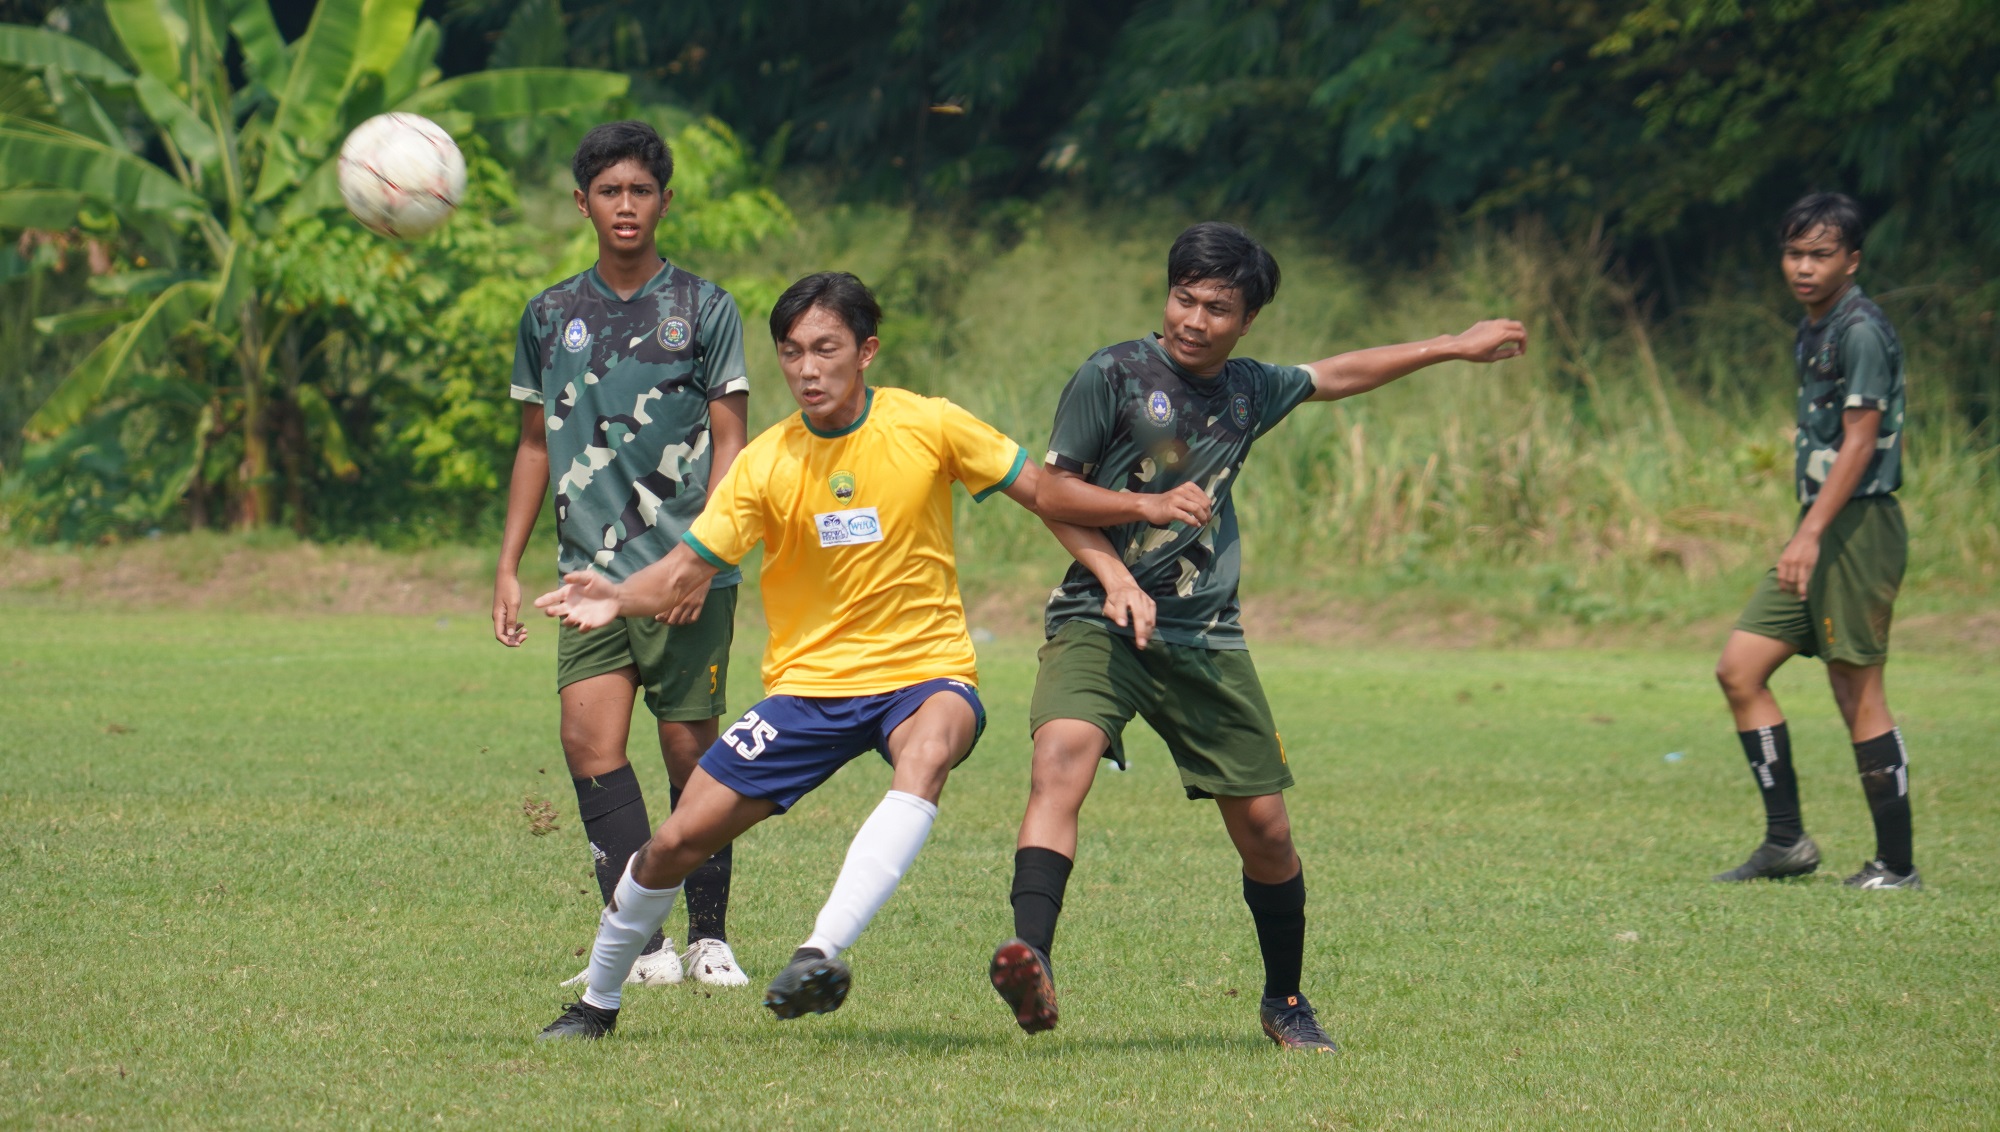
(1626, 466)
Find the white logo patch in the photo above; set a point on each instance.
(575, 336)
(848, 528)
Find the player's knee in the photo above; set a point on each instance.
(929, 756)
(1737, 682)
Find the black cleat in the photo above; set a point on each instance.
(580, 1020)
(1021, 974)
(810, 984)
(1875, 874)
(1290, 1022)
(1775, 862)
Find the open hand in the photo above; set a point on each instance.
(1187, 503)
(1795, 565)
(507, 627)
(587, 600)
(1493, 340)
(1130, 605)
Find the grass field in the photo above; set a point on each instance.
(266, 871)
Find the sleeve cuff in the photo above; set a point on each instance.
(1857, 401)
(531, 396)
(1006, 481)
(707, 555)
(1056, 459)
(738, 384)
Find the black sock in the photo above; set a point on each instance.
(1885, 778)
(706, 889)
(1040, 878)
(1769, 750)
(805, 953)
(1280, 913)
(614, 819)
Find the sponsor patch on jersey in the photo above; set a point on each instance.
(1160, 407)
(1239, 410)
(842, 485)
(576, 336)
(848, 528)
(675, 334)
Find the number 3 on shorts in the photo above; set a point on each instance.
(760, 733)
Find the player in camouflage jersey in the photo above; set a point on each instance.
(1833, 590)
(1166, 422)
(634, 393)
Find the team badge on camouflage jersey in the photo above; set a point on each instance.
(842, 485)
(1239, 410)
(575, 336)
(1160, 407)
(675, 334)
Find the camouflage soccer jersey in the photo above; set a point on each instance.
(1851, 359)
(625, 385)
(1132, 419)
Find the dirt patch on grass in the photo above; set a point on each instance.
(213, 573)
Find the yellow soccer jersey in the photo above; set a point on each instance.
(860, 581)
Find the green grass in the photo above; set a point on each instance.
(268, 871)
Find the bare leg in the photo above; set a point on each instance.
(596, 721)
(710, 816)
(925, 747)
(1744, 671)
(1262, 833)
(1863, 702)
(1067, 752)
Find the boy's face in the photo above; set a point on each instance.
(823, 365)
(1818, 267)
(624, 204)
(1203, 322)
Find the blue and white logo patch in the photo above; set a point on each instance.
(1160, 407)
(1239, 410)
(846, 528)
(675, 334)
(575, 336)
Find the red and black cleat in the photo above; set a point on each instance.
(1021, 975)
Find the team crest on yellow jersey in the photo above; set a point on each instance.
(842, 485)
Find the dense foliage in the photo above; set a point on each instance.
(257, 355)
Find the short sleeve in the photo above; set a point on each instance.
(527, 381)
(976, 454)
(733, 520)
(1285, 389)
(1085, 416)
(1866, 368)
(721, 335)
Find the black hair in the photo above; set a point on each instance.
(1224, 254)
(835, 291)
(612, 142)
(1837, 211)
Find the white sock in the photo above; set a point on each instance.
(631, 918)
(881, 854)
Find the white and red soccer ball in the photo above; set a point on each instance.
(401, 175)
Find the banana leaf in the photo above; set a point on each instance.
(155, 35)
(37, 156)
(135, 342)
(516, 92)
(36, 49)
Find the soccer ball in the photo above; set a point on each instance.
(401, 175)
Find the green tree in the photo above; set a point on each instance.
(216, 192)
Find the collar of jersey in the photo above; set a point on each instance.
(1846, 300)
(646, 288)
(1181, 371)
(867, 404)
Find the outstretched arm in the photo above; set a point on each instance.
(1065, 497)
(1124, 602)
(589, 600)
(1359, 371)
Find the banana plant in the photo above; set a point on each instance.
(204, 175)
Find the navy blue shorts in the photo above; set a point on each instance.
(783, 748)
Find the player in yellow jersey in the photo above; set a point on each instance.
(868, 648)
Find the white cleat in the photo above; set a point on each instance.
(654, 969)
(710, 961)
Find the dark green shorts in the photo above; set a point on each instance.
(684, 668)
(1845, 616)
(1206, 703)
